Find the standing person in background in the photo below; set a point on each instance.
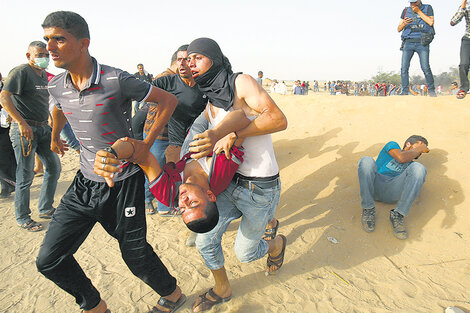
(143, 75)
(7, 157)
(26, 100)
(417, 27)
(464, 10)
(260, 78)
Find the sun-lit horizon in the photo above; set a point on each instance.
(313, 40)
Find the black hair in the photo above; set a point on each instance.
(260, 73)
(183, 48)
(414, 139)
(206, 223)
(38, 44)
(140, 64)
(70, 22)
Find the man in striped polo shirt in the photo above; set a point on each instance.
(96, 100)
(464, 10)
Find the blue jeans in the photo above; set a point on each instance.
(69, 137)
(41, 144)
(256, 207)
(158, 150)
(403, 188)
(423, 52)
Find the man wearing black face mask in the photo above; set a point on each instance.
(254, 192)
(26, 100)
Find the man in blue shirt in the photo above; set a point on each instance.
(416, 23)
(393, 177)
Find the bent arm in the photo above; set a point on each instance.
(166, 105)
(270, 118)
(402, 156)
(458, 15)
(58, 122)
(401, 25)
(7, 104)
(428, 19)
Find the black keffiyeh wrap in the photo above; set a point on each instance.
(218, 83)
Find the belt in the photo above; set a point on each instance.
(35, 123)
(261, 182)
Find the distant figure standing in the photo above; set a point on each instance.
(417, 27)
(260, 78)
(464, 10)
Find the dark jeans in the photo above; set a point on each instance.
(423, 52)
(121, 212)
(7, 162)
(464, 63)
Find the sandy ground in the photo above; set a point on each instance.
(318, 156)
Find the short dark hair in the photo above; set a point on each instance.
(208, 222)
(414, 139)
(260, 73)
(455, 83)
(140, 64)
(38, 44)
(69, 21)
(175, 55)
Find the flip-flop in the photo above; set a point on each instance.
(32, 226)
(173, 306)
(207, 304)
(278, 260)
(47, 215)
(271, 233)
(461, 94)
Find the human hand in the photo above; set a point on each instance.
(464, 4)
(140, 150)
(59, 146)
(225, 144)
(421, 147)
(26, 131)
(415, 8)
(106, 164)
(203, 143)
(407, 20)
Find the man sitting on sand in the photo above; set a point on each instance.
(394, 177)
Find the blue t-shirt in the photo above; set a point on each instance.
(386, 164)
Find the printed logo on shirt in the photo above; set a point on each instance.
(129, 212)
(394, 166)
(39, 87)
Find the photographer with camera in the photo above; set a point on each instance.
(464, 10)
(417, 27)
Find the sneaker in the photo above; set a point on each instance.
(398, 224)
(368, 220)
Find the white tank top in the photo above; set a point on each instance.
(259, 159)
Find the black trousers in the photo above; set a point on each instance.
(464, 63)
(121, 212)
(7, 162)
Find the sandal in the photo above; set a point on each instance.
(278, 260)
(461, 94)
(149, 208)
(32, 226)
(172, 213)
(47, 215)
(271, 233)
(168, 304)
(206, 303)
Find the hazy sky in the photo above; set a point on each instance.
(305, 39)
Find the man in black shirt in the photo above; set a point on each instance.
(191, 102)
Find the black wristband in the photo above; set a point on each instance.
(112, 151)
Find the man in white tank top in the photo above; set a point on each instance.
(255, 190)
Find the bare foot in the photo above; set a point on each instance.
(100, 308)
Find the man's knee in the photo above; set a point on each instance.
(417, 170)
(366, 164)
(45, 260)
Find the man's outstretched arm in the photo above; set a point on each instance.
(107, 162)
